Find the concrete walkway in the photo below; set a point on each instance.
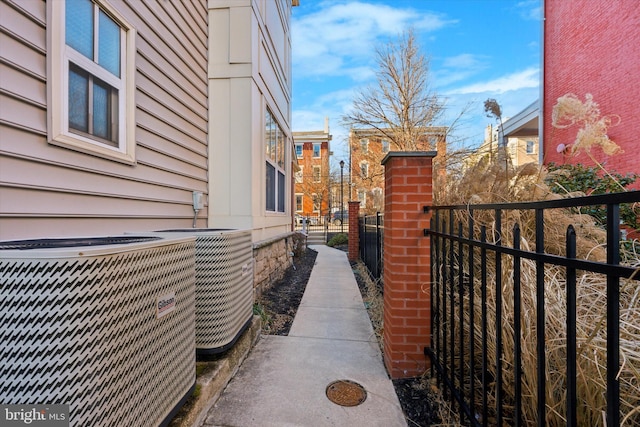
(283, 381)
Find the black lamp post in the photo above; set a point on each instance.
(341, 199)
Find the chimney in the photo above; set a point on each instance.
(326, 125)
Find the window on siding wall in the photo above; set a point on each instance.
(275, 153)
(91, 97)
(531, 147)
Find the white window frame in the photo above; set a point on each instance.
(385, 146)
(364, 145)
(277, 158)
(301, 155)
(300, 175)
(301, 202)
(319, 145)
(317, 177)
(533, 146)
(58, 57)
(364, 169)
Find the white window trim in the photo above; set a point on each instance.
(313, 150)
(301, 202)
(58, 55)
(319, 176)
(301, 155)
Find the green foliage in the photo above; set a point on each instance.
(569, 178)
(338, 239)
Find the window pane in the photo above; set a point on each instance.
(271, 187)
(78, 100)
(101, 109)
(281, 152)
(280, 192)
(79, 26)
(299, 150)
(109, 44)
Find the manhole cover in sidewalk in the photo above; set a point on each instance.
(346, 393)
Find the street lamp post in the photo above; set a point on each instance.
(341, 198)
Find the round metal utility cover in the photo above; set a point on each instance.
(346, 393)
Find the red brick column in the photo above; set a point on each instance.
(407, 299)
(354, 231)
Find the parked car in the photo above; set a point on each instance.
(311, 220)
(339, 217)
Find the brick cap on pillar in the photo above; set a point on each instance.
(392, 154)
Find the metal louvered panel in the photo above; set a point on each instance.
(81, 326)
(224, 285)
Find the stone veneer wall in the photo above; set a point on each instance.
(273, 257)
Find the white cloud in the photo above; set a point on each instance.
(529, 78)
(530, 9)
(458, 68)
(340, 39)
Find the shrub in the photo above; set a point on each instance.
(338, 239)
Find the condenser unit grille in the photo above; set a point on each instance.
(88, 332)
(224, 286)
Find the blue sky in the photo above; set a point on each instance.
(478, 49)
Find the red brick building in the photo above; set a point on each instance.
(593, 47)
(312, 182)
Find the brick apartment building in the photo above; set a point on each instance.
(313, 180)
(367, 148)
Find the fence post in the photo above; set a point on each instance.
(354, 231)
(407, 298)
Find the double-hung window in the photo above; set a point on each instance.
(91, 53)
(275, 141)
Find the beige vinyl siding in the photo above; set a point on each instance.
(50, 191)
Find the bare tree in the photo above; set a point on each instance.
(402, 104)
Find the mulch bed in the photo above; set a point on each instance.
(280, 303)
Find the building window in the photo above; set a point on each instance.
(364, 145)
(378, 200)
(299, 175)
(316, 150)
(275, 153)
(317, 200)
(299, 150)
(91, 96)
(364, 170)
(299, 204)
(362, 197)
(531, 147)
(317, 174)
(386, 146)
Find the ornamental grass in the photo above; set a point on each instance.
(491, 183)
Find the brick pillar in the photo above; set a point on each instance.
(354, 231)
(407, 299)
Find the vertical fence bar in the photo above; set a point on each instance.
(433, 244)
(472, 328)
(613, 317)
(572, 419)
(452, 305)
(443, 291)
(498, 242)
(517, 326)
(461, 311)
(379, 238)
(540, 321)
(483, 296)
(436, 312)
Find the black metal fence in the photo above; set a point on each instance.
(371, 243)
(497, 283)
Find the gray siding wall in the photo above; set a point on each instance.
(50, 191)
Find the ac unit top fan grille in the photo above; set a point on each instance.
(23, 245)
